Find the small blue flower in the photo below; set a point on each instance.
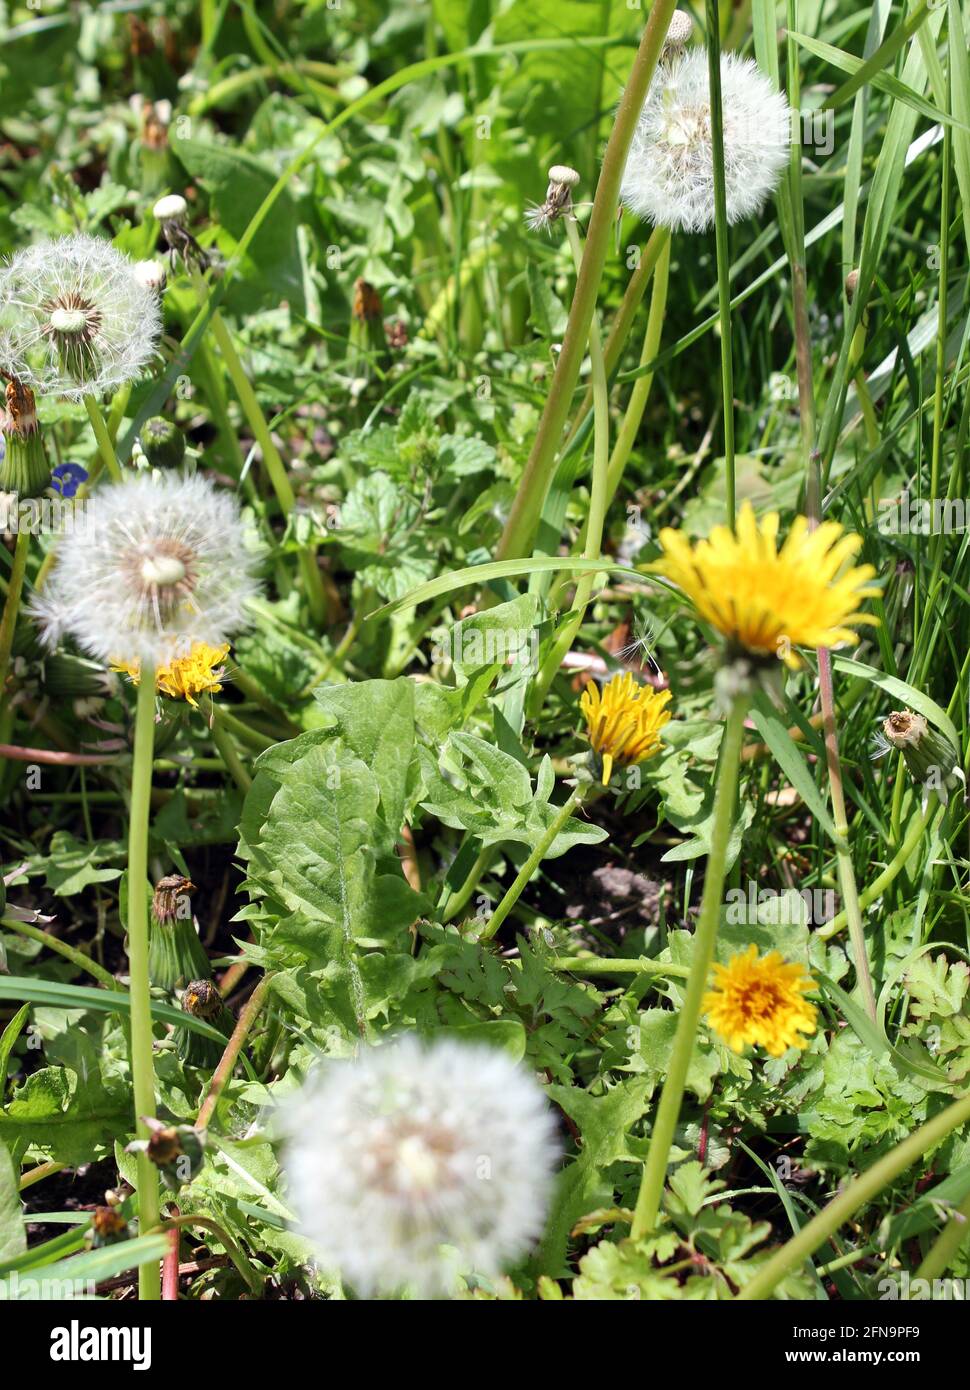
(66, 478)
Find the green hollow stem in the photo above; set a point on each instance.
(945, 1248)
(11, 608)
(889, 874)
(531, 864)
(312, 579)
(106, 449)
(226, 746)
(459, 899)
(847, 881)
(142, 1064)
(207, 1223)
(527, 506)
(723, 249)
(855, 1195)
(598, 499)
(616, 339)
(668, 1111)
(596, 965)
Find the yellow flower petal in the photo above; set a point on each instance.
(760, 1002)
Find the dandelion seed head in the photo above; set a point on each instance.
(669, 175)
(75, 318)
(171, 208)
(160, 566)
(420, 1162)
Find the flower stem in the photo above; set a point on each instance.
(861, 1190)
(531, 864)
(240, 1033)
(527, 507)
(223, 741)
(142, 1065)
(850, 892)
(668, 1111)
(53, 943)
(889, 874)
(723, 250)
(944, 1249)
(11, 608)
(105, 447)
(597, 965)
(598, 498)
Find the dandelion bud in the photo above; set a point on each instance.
(203, 1000)
(70, 677)
(24, 469)
(669, 175)
(930, 758)
(162, 442)
(108, 1226)
(678, 31)
(175, 953)
(418, 1163)
(153, 156)
(177, 1151)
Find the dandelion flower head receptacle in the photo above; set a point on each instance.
(420, 1162)
(160, 566)
(623, 721)
(76, 319)
(766, 601)
(669, 174)
(760, 1002)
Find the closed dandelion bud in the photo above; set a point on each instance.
(162, 442)
(70, 677)
(177, 1151)
(930, 758)
(24, 469)
(202, 1000)
(108, 1226)
(175, 953)
(153, 153)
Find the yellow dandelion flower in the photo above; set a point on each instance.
(768, 601)
(185, 677)
(623, 721)
(760, 1001)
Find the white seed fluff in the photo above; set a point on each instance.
(420, 1162)
(669, 175)
(153, 566)
(75, 318)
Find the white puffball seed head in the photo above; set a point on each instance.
(669, 175)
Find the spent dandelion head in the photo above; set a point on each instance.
(759, 1001)
(669, 174)
(558, 199)
(75, 318)
(419, 1162)
(160, 567)
(930, 757)
(767, 601)
(623, 721)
